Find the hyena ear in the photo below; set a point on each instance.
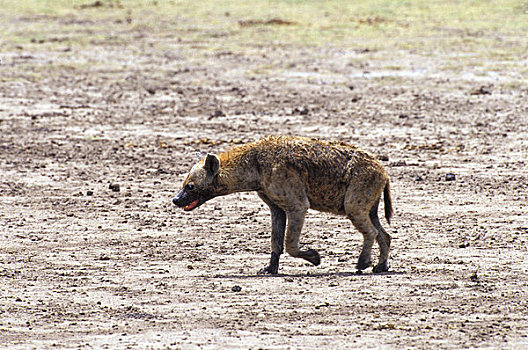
(212, 164)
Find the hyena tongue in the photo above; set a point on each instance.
(191, 206)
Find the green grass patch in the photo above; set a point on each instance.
(313, 22)
(491, 30)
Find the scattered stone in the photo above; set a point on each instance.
(151, 90)
(450, 177)
(218, 113)
(474, 277)
(399, 163)
(236, 289)
(481, 91)
(463, 245)
(383, 157)
(418, 178)
(301, 111)
(89, 193)
(325, 304)
(114, 187)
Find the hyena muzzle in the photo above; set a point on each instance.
(292, 175)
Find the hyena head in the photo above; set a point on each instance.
(199, 186)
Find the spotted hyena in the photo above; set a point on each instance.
(291, 175)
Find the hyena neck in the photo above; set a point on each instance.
(237, 175)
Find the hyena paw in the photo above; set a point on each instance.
(269, 270)
(381, 267)
(363, 264)
(312, 256)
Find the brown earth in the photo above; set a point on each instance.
(82, 265)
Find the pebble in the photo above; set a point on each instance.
(450, 177)
(218, 113)
(383, 157)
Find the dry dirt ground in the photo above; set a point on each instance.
(86, 266)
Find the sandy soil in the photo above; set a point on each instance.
(83, 265)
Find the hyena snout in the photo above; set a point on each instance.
(179, 199)
(187, 200)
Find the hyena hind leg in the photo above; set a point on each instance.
(369, 233)
(383, 239)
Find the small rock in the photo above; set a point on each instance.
(89, 193)
(301, 111)
(483, 90)
(450, 177)
(418, 178)
(114, 187)
(383, 157)
(474, 277)
(399, 163)
(326, 304)
(218, 113)
(236, 289)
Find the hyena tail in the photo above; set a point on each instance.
(387, 199)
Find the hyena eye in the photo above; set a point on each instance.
(189, 187)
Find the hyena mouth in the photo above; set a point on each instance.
(191, 206)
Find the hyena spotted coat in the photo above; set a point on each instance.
(291, 175)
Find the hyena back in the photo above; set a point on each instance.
(291, 175)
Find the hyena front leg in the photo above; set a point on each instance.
(295, 224)
(278, 226)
